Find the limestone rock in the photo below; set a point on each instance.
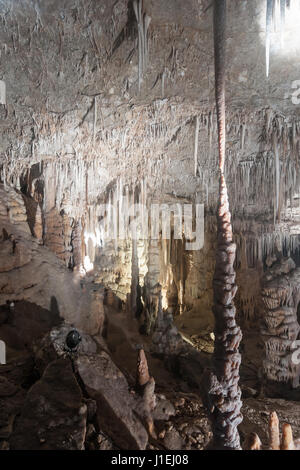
(116, 406)
(54, 415)
(12, 258)
(12, 398)
(172, 440)
(19, 371)
(280, 327)
(53, 346)
(163, 409)
(166, 339)
(26, 323)
(38, 225)
(29, 271)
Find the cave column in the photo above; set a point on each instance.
(221, 393)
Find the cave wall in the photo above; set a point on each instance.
(33, 273)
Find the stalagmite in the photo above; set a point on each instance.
(222, 395)
(253, 442)
(287, 438)
(274, 431)
(146, 386)
(142, 376)
(287, 442)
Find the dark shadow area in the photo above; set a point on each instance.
(54, 309)
(128, 32)
(32, 191)
(22, 323)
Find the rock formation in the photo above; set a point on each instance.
(286, 442)
(31, 272)
(280, 323)
(111, 115)
(54, 415)
(221, 390)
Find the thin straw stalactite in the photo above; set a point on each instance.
(269, 16)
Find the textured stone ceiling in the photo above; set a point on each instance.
(73, 100)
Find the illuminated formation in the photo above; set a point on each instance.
(280, 16)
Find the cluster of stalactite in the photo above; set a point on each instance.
(272, 166)
(222, 395)
(143, 21)
(275, 17)
(79, 179)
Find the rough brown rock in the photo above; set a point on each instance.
(12, 399)
(54, 415)
(33, 273)
(53, 346)
(116, 406)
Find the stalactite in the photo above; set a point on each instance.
(269, 16)
(222, 395)
(163, 76)
(275, 21)
(196, 146)
(2, 93)
(282, 19)
(276, 181)
(143, 21)
(95, 120)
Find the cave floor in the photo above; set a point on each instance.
(188, 428)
